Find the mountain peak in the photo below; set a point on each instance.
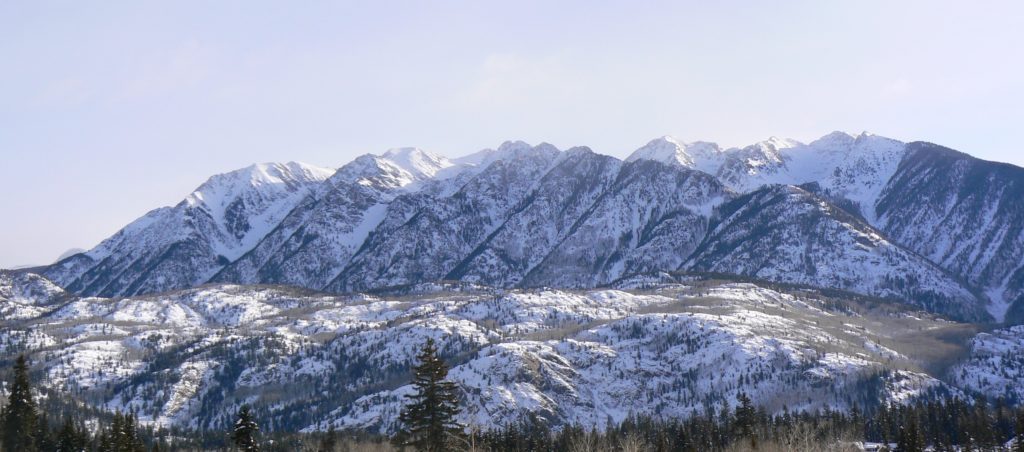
(509, 150)
(421, 164)
(698, 155)
(835, 137)
(663, 148)
(513, 146)
(775, 143)
(224, 185)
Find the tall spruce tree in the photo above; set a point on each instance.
(746, 419)
(429, 416)
(128, 438)
(19, 417)
(245, 430)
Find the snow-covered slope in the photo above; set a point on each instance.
(965, 214)
(700, 155)
(315, 241)
(995, 365)
(446, 229)
(541, 221)
(651, 218)
(184, 245)
(788, 234)
(310, 360)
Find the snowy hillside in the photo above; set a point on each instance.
(995, 364)
(649, 219)
(309, 360)
(26, 295)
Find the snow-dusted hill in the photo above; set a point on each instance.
(913, 222)
(26, 295)
(995, 364)
(310, 360)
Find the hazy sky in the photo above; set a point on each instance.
(109, 109)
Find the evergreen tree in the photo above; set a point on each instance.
(244, 432)
(910, 439)
(746, 418)
(982, 429)
(429, 417)
(116, 427)
(19, 417)
(105, 445)
(44, 437)
(129, 439)
(121, 435)
(856, 421)
(69, 439)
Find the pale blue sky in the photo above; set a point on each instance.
(109, 109)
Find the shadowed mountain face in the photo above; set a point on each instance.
(964, 214)
(912, 222)
(785, 233)
(649, 219)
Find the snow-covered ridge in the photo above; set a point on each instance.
(270, 190)
(853, 167)
(532, 216)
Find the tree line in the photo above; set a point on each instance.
(429, 423)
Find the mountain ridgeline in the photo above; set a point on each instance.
(912, 222)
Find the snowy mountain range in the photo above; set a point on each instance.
(912, 222)
(566, 286)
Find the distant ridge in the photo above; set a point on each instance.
(913, 222)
